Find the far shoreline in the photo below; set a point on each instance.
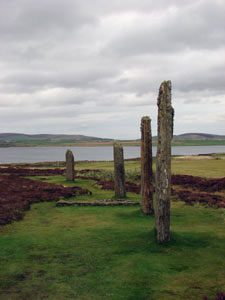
(110, 144)
(60, 164)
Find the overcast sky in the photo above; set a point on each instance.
(94, 67)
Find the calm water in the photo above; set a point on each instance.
(39, 154)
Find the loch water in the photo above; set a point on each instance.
(101, 153)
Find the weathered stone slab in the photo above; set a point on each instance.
(119, 172)
(163, 162)
(146, 167)
(69, 165)
(106, 202)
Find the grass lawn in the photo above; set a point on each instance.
(110, 253)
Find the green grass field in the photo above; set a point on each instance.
(110, 253)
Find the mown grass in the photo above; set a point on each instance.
(210, 168)
(93, 253)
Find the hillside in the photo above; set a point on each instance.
(198, 136)
(13, 137)
(19, 139)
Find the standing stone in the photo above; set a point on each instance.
(146, 167)
(69, 165)
(163, 162)
(119, 173)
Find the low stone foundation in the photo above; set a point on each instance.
(105, 202)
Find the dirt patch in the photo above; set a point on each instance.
(199, 183)
(17, 194)
(84, 171)
(130, 187)
(31, 172)
(199, 186)
(191, 198)
(219, 296)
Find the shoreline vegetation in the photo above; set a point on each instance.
(41, 143)
(189, 160)
(56, 140)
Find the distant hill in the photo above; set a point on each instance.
(19, 137)
(198, 136)
(195, 137)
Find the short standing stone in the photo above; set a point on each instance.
(69, 165)
(163, 162)
(119, 173)
(146, 167)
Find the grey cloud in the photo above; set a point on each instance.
(31, 19)
(31, 81)
(193, 27)
(31, 114)
(199, 72)
(117, 6)
(210, 79)
(75, 65)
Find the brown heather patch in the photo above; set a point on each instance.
(17, 194)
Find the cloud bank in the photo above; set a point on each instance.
(94, 67)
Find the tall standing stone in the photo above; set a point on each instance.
(146, 167)
(119, 173)
(163, 162)
(69, 165)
